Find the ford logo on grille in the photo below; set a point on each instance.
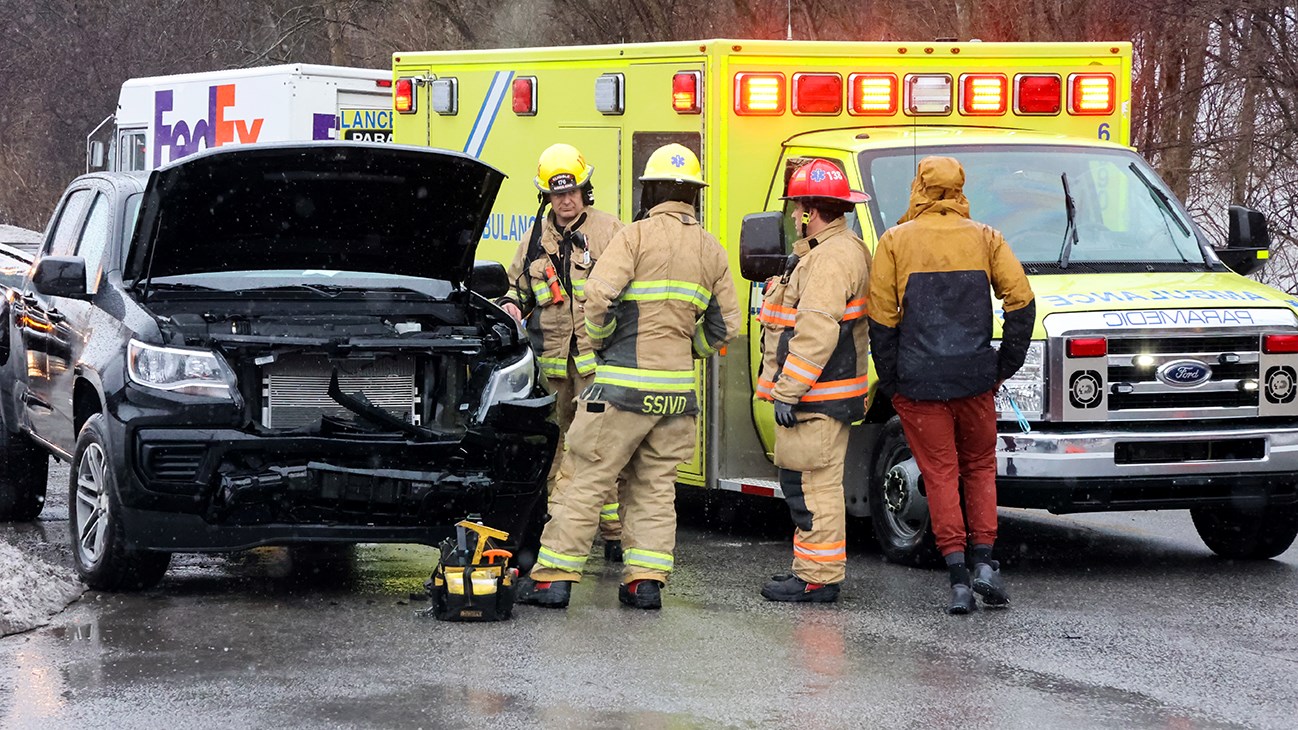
(1184, 373)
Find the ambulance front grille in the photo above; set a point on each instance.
(1135, 389)
(295, 388)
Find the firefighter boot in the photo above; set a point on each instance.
(987, 582)
(550, 594)
(646, 594)
(613, 551)
(792, 589)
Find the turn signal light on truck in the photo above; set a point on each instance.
(525, 96)
(817, 94)
(872, 94)
(1092, 94)
(403, 96)
(1280, 344)
(685, 92)
(759, 94)
(983, 94)
(1037, 94)
(1088, 347)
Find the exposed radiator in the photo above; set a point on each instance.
(295, 388)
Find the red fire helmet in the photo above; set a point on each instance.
(822, 179)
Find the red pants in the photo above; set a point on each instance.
(955, 441)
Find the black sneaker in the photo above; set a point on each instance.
(613, 551)
(792, 589)
(987, 582)
(550, 594)
(962, 600)
(646, 594)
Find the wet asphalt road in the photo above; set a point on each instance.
(1121, 620)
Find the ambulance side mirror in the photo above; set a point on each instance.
(761, 246)
(490, 279)
(1248, 244)
(96, 161)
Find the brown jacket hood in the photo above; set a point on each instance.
(938, 187)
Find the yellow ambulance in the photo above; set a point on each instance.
(1159, 376)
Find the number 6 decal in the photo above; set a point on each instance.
(1104, 131)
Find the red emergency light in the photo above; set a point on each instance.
(525, 96)
(1280, 344)
(1088, 347)
(1092, 94)
(383, 83)
(1037, 94)
(685, 92)
(872, 94)
(403, 97)
(984, 94)
(817, 94)
(759, 94)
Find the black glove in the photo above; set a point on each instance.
(784, 414)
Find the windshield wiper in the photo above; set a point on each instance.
(1164, 203)
(1070, 230)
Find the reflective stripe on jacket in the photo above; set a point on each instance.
(815, 338)
(554, 328)
(660, 296)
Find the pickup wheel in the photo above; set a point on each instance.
(1246, 534)
(24, 470)
(100, 550)
(898, 508)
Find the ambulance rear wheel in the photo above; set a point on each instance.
(1246, 534)
(898, 509)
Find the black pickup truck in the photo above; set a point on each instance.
(270, 344)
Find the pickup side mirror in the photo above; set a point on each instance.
(489, 279)
(60, 276)
(1248, 244)
(761, 246)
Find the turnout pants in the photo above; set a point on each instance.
(566, 392)
(954, 442)
(605, 441)
(810, 457)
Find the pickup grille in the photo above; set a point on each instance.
(1134, 386)
(295, 388)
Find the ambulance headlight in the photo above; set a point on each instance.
(1027, 387)
(511, 381)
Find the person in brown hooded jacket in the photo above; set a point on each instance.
(930, 335)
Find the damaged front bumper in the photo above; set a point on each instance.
(215, 489)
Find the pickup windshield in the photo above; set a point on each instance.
(1120, 218)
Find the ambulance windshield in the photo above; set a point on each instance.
(1124, 215)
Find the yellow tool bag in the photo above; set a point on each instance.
(473, 580)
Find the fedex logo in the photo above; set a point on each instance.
(179, 138)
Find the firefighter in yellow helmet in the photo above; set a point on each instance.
(549, 273)
(815, 371)
(660, 296)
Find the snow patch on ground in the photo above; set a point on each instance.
(32, 590)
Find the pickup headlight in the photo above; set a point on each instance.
(180, 370)
(513, 381)
(1028, 386)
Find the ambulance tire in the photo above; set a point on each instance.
(1260, 533)
(903, 530)
(24, 471)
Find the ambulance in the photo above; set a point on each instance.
(1160, 377)
(163, 118)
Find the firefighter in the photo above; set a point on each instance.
(549, 277)
(930, 332)
(660, 296)
(815, 370)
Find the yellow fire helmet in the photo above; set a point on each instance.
(673, 163)
(562, 168)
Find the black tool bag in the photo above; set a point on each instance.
(464, 591)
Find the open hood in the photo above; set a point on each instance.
(343, 206)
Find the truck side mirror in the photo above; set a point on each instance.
(96, 156)
(489, 279)
(60, 276)
(761, 246)
(1248, 244)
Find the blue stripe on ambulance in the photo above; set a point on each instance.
(500, 83)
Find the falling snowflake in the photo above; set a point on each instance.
(678, 161)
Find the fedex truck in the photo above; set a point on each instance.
(1159, 376)
(163, 118)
